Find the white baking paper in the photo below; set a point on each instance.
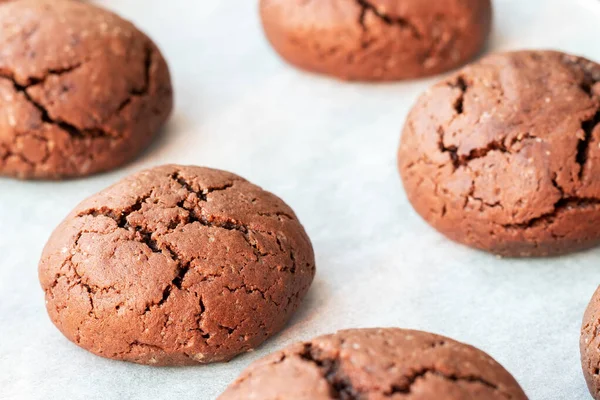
(328, 148)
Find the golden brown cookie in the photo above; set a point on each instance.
(504, 155)
(376, 364)
(81, 90)
(377, 40)
(176, 265)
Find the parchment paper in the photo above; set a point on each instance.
(328, 148)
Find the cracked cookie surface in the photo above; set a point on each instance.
(504, 155)
(370, 364)
(176, 265)
(81, 90)
(590, 345)
(377, 40)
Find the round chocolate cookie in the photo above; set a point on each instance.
(504, 155)
(81, 90)
(377, 40)
(590, 345)
(176, 265)
(376, 364)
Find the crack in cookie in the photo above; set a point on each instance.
(405, 23)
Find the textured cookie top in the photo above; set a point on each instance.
(377, 39)
(511, 140)
(376, 364)
(81, 89)
(176, 265)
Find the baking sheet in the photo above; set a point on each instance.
(327, 148)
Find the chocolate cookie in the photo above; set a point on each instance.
(590, 345)
(81, 90)
(504, 155)
(377, 40)
(176, 265)
(376, 364)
